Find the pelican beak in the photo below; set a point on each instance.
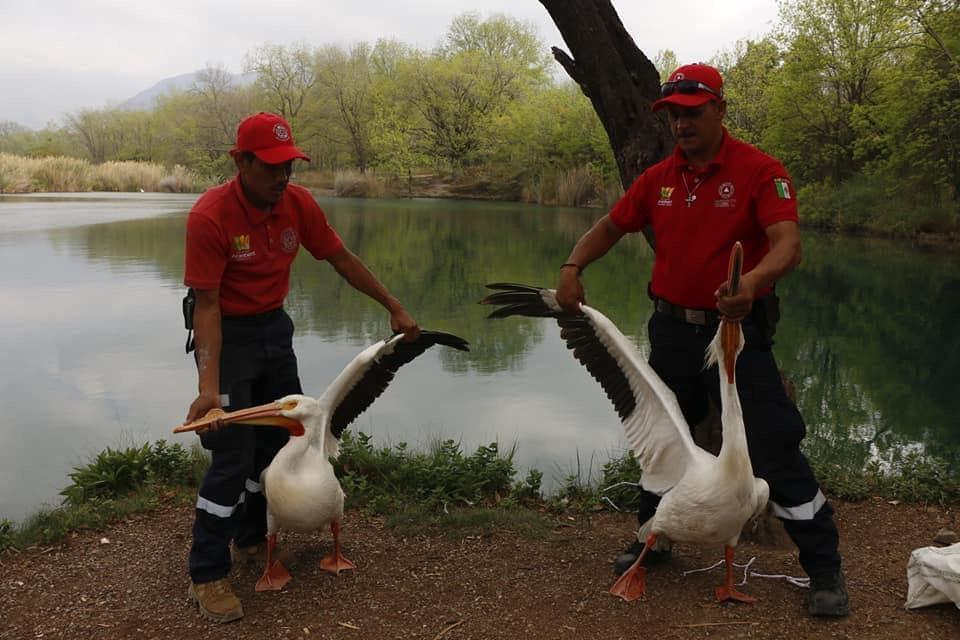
(730, 336)
(270, 414)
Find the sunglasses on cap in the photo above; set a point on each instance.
(686, 86)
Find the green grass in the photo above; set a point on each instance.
(441, 488)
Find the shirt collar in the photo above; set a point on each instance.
(680, 161)
(255, 215)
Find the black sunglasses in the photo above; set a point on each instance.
(687, 86)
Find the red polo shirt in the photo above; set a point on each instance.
(245, 252)
(698, 215)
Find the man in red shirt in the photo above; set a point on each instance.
(242, 237)
(712, 191)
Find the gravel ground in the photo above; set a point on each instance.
(130, 582)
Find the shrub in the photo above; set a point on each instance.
(577, 187)
(383, 479)
(115, 473)
(353, 184)
(63, 174)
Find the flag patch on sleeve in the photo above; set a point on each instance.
(783, 188)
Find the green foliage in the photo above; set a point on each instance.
(748, 71)
(441, 488)
(575, 493)
(528, 490)
(7, 534)
(860, 100)
(381, 479)
(619, 484)
(917, 479)
(115, 473)
(873, 203)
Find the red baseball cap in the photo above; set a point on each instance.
(691, 86)
(268, 137)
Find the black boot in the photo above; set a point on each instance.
(626, 559)
(828, 595)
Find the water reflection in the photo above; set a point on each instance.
(93, 334)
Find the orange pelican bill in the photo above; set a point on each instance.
(270, 415)
(730, 338)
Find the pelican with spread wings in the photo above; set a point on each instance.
(302, 491)
(707, 498)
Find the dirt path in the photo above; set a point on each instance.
(497, 586)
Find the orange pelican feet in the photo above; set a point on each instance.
(336, 562)
(727, 591)
(275, 575)
(633, 583)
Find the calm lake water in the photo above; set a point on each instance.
(92, 338)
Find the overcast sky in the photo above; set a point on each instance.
(57, 56)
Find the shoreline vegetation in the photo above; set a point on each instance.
(441, 488)
(860, 103)
(854, 208)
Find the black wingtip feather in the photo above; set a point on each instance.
(381, 372)
(578, 332)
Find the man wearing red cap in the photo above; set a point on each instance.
(242, 237)
(713, 191)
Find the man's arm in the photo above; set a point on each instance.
(593, 245)
(208, 339)
(785, 254)
(352, 269)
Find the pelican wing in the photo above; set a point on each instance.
(652, 421)
(366, 377)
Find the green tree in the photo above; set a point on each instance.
(396, 126)
(221, 103)
(912, 132)
(344, 93)
(14, 138)
(835, 52)
(554, 128)
(468, 82)
(666, 62)
(286, 76)
(748, 71)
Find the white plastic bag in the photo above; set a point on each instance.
(933, 576)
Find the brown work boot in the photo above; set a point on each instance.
(253, 553)
(216, 601)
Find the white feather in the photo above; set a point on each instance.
(706, 499)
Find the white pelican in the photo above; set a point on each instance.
(707, 499)
(302, 491)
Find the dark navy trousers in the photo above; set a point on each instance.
(773, 425)
(257, 366)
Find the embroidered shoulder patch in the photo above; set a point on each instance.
(783, 188)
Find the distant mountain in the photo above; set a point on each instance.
(144, 101)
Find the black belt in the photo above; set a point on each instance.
(252, 319)
(690, 316)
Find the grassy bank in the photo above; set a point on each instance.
(440, 487)
(862, 205)
(19, 174)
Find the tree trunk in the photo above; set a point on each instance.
(617, 77)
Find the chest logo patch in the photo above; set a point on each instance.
(666, 194)
(241, 247)
(288, 240)
(726, 199)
